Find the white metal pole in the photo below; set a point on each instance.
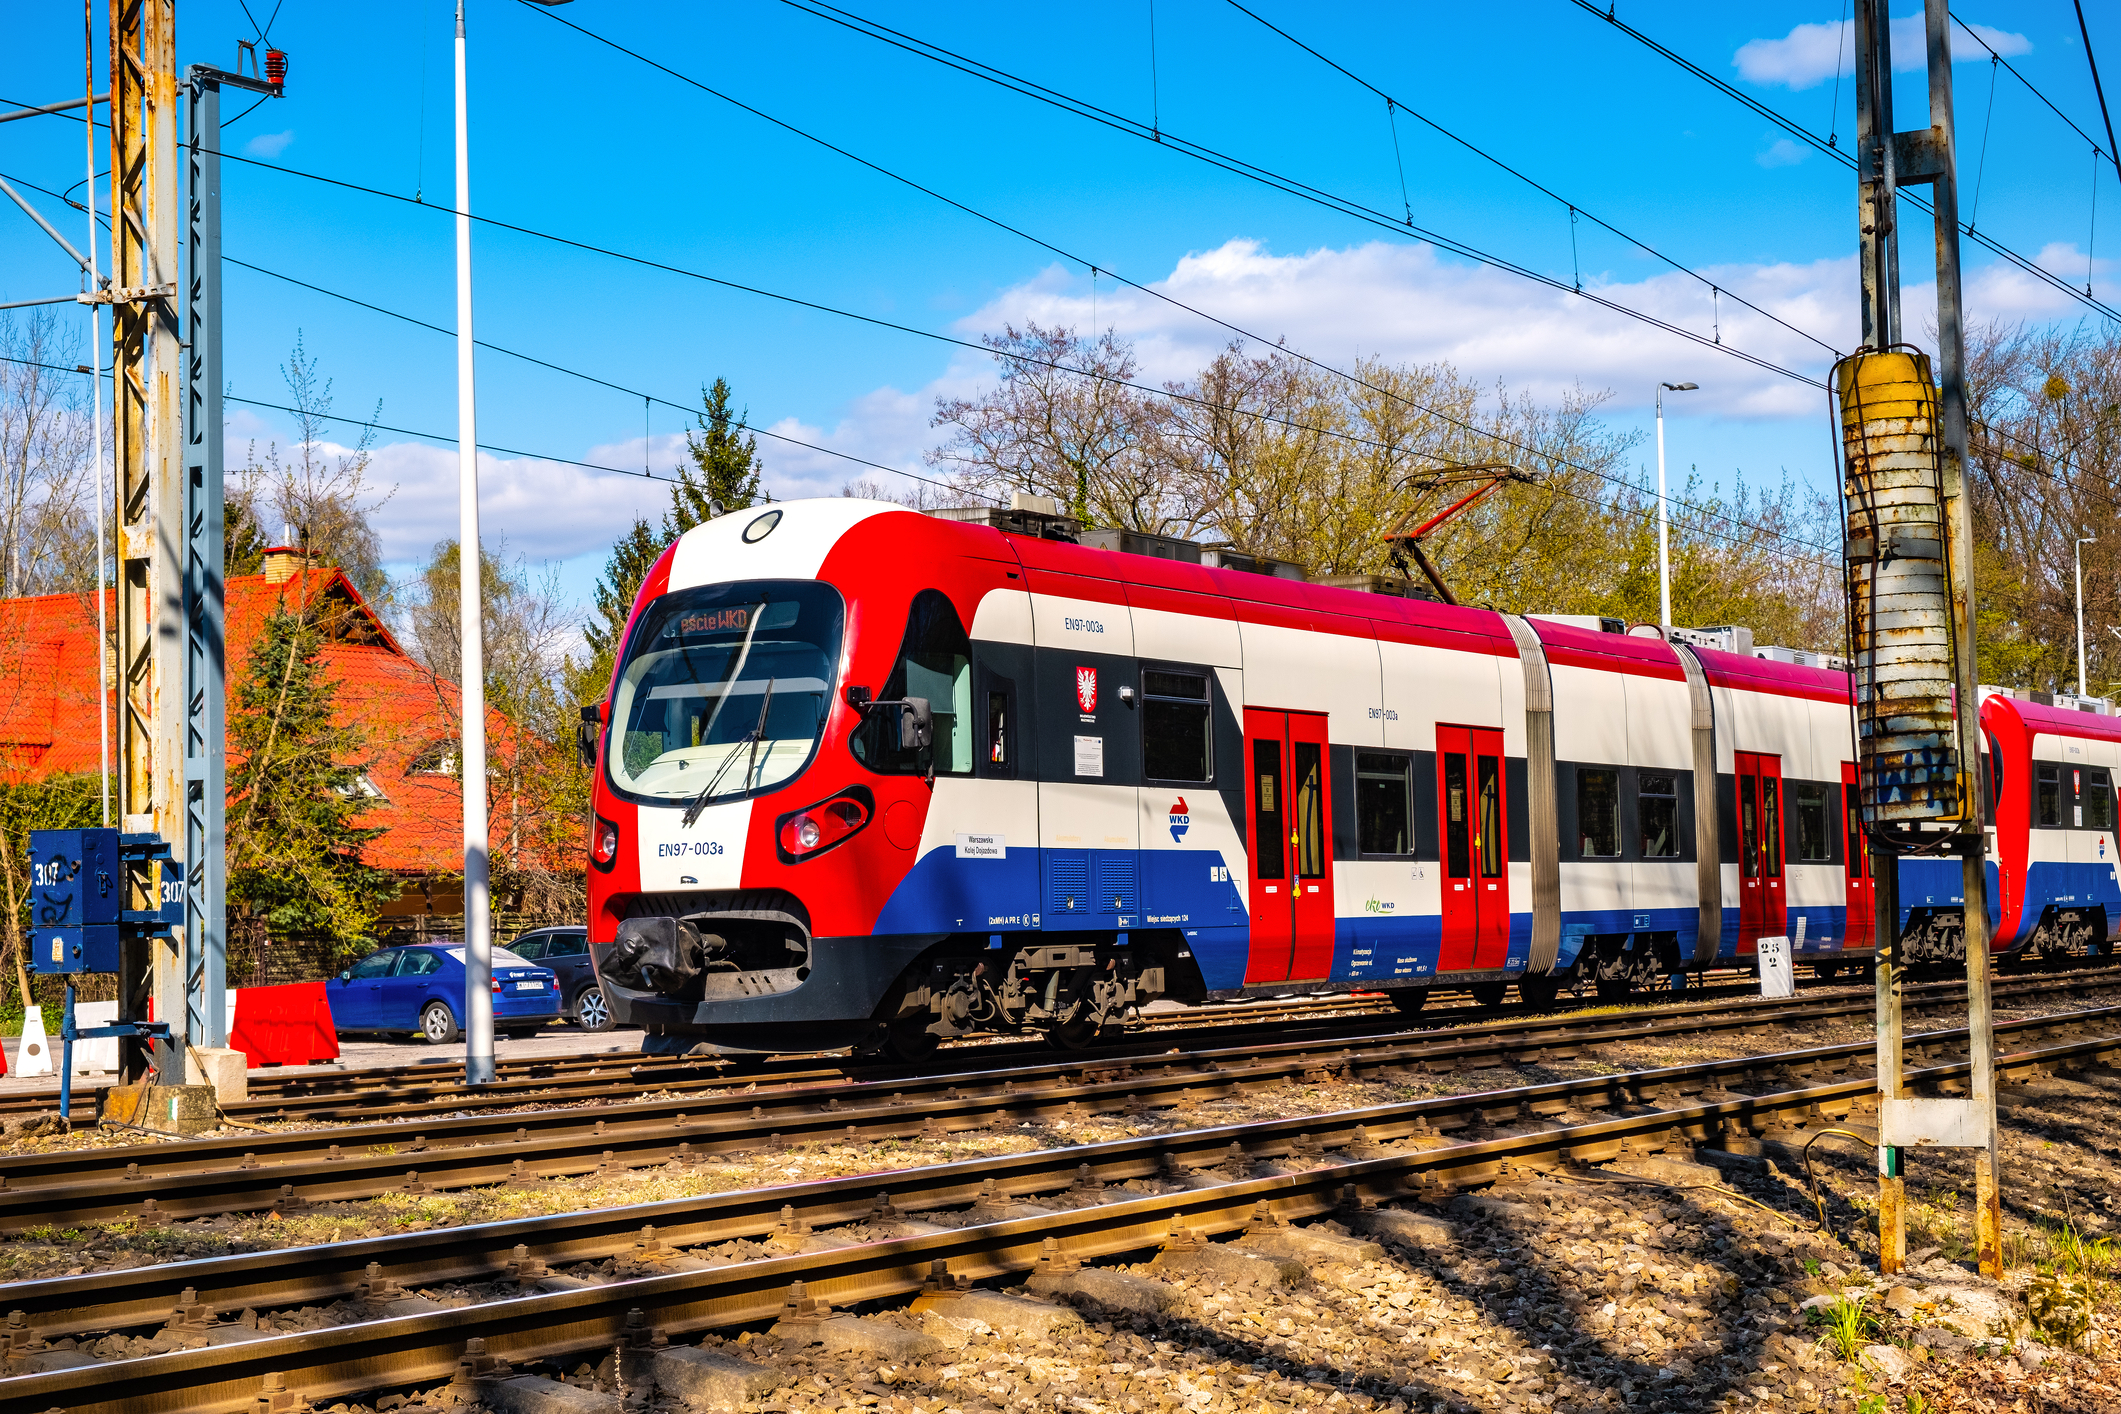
(1664, 544)
(2081, 543)
(478, 935)
(95, 343)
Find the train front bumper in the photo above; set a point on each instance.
(831, 1002)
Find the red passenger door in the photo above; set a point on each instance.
(1760, 895)
(1473, 824)
(1290, 843)
(1860, 926)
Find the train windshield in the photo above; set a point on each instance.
(725, 689)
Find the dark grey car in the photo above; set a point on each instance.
(566, 951)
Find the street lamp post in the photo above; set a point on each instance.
(1664, 533)
(2082, 541)
(471, 760)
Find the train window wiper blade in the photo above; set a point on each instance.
(750, 743)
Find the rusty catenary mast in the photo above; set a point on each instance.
(147, 425)
(1911, 611)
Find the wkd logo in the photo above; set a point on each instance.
(1181, 820)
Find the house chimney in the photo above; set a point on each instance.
(284, 562)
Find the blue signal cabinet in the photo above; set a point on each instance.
(77, 899)
(75, 878)
(68, 950)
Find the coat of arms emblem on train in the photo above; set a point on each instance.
(1086, 688)
(1181, 820)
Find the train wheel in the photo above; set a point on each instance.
(1073, 1034)
(908, 1039)
(1409, 999)
(1489, 994)
(1538, 991)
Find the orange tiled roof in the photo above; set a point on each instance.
(48, 727)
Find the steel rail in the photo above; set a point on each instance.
(353, 1096)
(294, 1276)
(289, 1169)
(1216, 1020)
(401, 1352)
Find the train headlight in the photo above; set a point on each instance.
(604, 843)
(806, 833)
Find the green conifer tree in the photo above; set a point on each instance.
(725, 465)
(296, 794)
(630, 561)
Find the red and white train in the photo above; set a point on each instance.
(872, 777)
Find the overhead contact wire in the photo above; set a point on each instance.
(1096, 269)
(1346, 206)
(1803, 134)
(1575, 209)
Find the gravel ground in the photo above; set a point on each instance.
(1587, 1293)
(55, 1250)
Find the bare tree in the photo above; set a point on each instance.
(47, 536)
(1064, 424)
(320, 499)
(539, 789)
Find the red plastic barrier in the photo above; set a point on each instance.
(288, 1025)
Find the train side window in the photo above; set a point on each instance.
(934, 662)
(1458, 817)
(1490, 775)
(1307, 779)
(1175, 736)
(1771, 827)
(1657, 814)
(2047, 794)
(1813, 814)
(1383, 815)
(997, 730)
(2098, 799)
(1598, 813)
(1269, 853)
(1856, 860)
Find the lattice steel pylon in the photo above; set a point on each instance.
(147, 437)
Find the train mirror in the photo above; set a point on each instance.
(916, 724)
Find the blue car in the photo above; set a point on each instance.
(419, 991)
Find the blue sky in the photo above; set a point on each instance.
(573, 138)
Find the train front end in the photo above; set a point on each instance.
(737, 841)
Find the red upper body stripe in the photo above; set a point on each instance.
(2056, 721)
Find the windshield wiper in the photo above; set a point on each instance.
(750, 741)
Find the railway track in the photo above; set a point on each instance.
(382, 1095)
(980, 1219)
(272, 1090)
(288, 1169)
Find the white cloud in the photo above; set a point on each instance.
(269, 144)
(1782, 153)
(1407, 303)
(546, 510)
(1810, 54)
(1402, 302)
(887, 426)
